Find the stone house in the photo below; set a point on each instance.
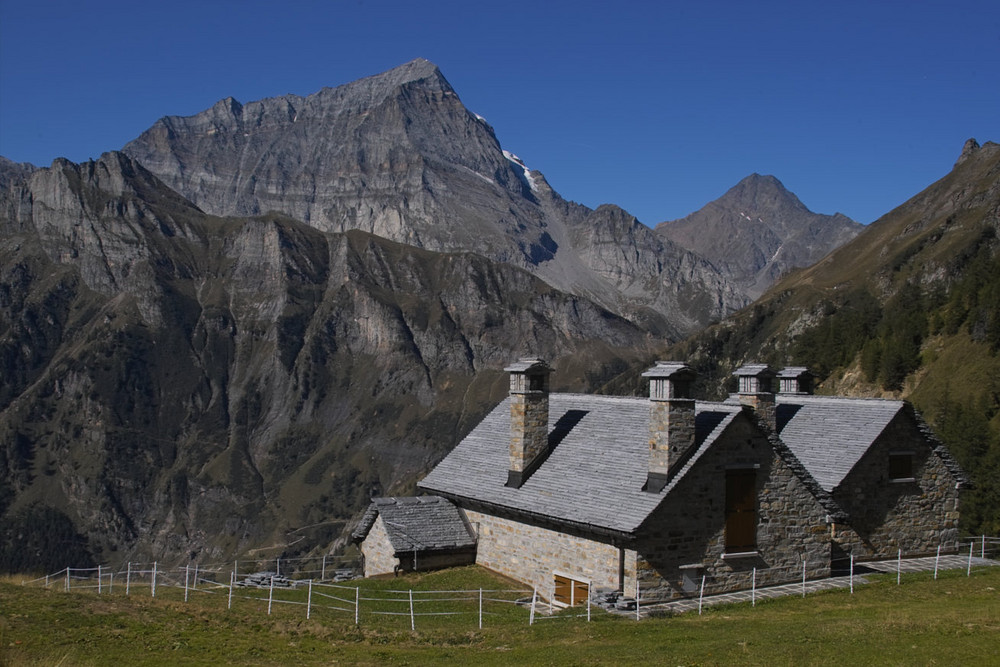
(415, 533)
(574, 493)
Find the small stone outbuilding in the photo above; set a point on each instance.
(414, 533)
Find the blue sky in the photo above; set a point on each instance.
(659, 107)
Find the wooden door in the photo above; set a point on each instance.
(741, 510)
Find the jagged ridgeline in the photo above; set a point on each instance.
(911, 308)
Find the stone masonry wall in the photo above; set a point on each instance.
(887, 516)
(532, 555)
(378, 552)
(685, 537)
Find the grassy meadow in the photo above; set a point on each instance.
(954, 620)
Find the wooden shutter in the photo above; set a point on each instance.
(741, 510)
(581, 591)
(570, 592)
(564, 590)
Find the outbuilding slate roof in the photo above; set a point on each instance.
(829, 435)
(423, 523)
(596, 468)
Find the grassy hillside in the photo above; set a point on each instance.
(954, 620)
(910, 308)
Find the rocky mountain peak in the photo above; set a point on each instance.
(968, 150)
(757, 231)
(762, 193)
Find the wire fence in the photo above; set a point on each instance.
(847, 572)
(372, 601)
(271, 591)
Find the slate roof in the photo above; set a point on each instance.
(596, 468)
(829, 435)
(422, 523)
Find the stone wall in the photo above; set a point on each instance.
(685, 537)
(531, 554)
(378, 552)
(887, 516)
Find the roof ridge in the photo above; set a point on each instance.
(815, 398)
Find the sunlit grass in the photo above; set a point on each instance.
(954, 620)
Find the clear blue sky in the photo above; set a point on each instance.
(658, 107)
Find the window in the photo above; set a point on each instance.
(901, 466)
(741, 510)
(570, 592)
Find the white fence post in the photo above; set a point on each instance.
(152, 586)
(322, 575)
(270, 597)
(982, 553)
(968, 570)
(899, 565)
(67, 579)
(195, 582)
(187, 575)
(413, 626)
(232, 578)
(309, 600)
(480, 608)
(937, 559)
(128, 578)
(534, 598)
(803, 577)
(753, 588)
(701, 596)
(852, 574)
(637, 596)
(357, 604)
(98, 579)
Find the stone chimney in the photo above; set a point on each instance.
(796, 380)
(529, 418)
(671, 421)
(757, 391)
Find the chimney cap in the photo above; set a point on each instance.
(755, 370)
(670, 370)
(528, 365)
(795, 372)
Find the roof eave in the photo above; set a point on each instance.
(535, 518)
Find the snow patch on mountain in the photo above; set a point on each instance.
(527, 172)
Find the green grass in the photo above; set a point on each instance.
(954, 620)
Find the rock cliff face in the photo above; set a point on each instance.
(399, 156)
(758, 231)
(179, 383)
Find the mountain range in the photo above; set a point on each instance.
(399, 156)
(233, 332)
